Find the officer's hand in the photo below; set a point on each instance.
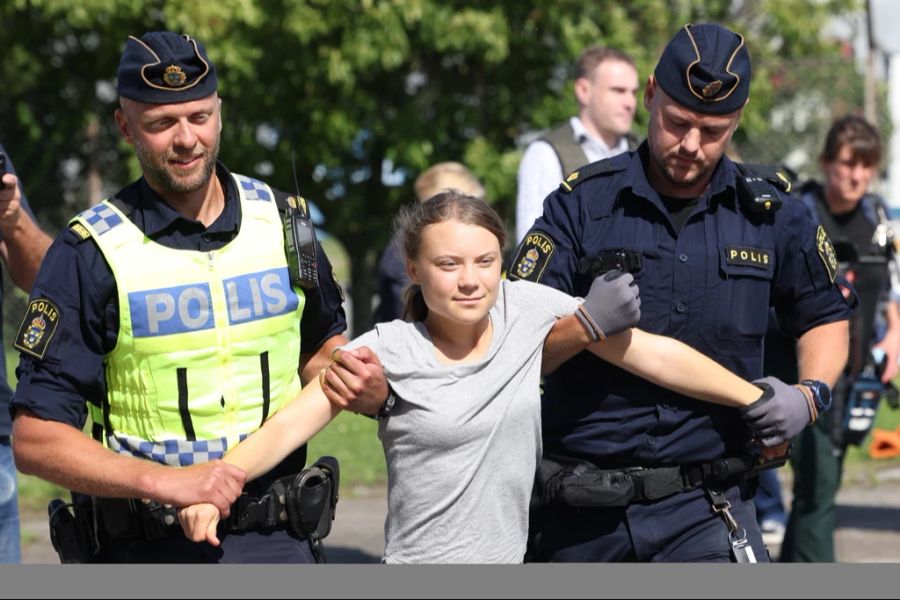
(216, 482)
(199, 523)
(780, 413)
(10, 201)
(355, 381)
(613, 303)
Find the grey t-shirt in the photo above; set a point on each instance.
(463, 441)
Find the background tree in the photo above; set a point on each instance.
(366, 93)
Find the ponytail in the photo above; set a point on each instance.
(414, 308)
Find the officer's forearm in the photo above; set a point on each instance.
(892, 316)
(676, 366)
(313, 362)
(23, 248)
(822, 352)
(65, 456)
(567, 338)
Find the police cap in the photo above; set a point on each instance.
(706, 68)
(165, 68)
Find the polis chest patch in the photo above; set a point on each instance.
(37, 328)
(748, 257)
(532, 258)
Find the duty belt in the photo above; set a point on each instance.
(303, 503)
(584, 485)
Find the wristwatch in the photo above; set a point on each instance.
(385, 410)
(821, 394)
(388, 405)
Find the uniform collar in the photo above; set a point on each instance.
(154, 216)
(722, 178)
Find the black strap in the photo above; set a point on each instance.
(570, 154)
(266, 385)
(183, 407)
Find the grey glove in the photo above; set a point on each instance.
(611, 306)
(780, 413)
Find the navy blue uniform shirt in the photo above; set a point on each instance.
(709, 286)
(76, 277)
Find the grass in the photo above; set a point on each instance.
(353, 440)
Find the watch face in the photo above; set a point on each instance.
(821, 393)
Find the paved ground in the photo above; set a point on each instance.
(868, 524)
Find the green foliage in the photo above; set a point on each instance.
(353, 440)
(367, 93)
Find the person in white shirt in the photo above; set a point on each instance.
(606, 89)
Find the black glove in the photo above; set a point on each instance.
(780, 413)
(612, 305)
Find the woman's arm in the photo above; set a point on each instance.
(676, 366)
(281, 434)
(288, 429)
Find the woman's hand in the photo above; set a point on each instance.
(199, 523)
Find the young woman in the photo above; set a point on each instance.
(463, 440)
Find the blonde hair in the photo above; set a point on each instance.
(446, 176)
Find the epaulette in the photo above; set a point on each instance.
(595, 169)
(767, 172)
(288, 203)
(80, 231)
(83, 233)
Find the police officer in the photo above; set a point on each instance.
(168, 314)
(710, 249)
(22, 247)
(859, 219)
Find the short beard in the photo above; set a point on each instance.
(163, 181)
(669, 173)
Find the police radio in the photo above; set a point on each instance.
(862, 400)
(300, 245)
(755, 188)
(757, 195)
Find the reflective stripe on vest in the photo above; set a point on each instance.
(208, 343)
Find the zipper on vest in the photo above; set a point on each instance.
(209, 260)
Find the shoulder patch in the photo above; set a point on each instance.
(80, 230)
(37, 329)
(595, 169)
(532, 258)
(826, 253)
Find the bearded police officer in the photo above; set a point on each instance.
(172, 315)
(712, 245)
